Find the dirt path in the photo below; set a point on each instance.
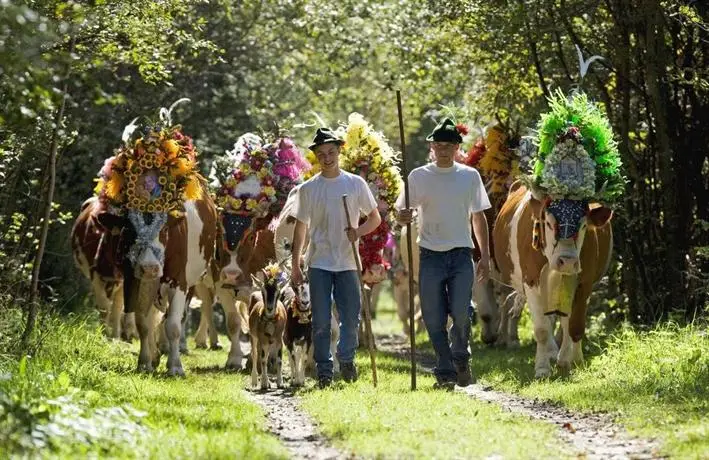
(592, 436)
(293, 427)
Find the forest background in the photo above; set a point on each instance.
(73, 74)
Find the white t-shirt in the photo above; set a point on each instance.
(320, 207)
(445, 199)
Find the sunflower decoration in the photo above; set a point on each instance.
(155, 173)
(367, 154)
(577, 156)
(314, 165)
(262, 176)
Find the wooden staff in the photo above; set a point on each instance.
(365, 300)
(405, 174)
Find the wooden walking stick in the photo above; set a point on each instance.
(405, 174)
(365, 300)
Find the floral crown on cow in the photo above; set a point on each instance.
(154, 171)
(577, 157)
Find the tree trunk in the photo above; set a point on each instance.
(49, 199)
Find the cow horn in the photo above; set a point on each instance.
(538, 193)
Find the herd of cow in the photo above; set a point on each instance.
(221, 259)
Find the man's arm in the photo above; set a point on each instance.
(482, 236)
(298, 240)
(371, 224)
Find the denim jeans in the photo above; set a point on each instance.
(446, 288)
(344, 288)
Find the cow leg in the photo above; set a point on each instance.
(279, 365)
(565, 352)
(104, 305)
(484, 296)
(515, 313)
(254, 361)
(233, 326)
(145, 326)
(130, 330)
(546, 347)
(206, 319)
(577, 323)
(264, 355)
(173, 328)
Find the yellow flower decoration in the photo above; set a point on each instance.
(269, 191)
(171, 147)
(183, 166)
(113, 186)
(251, 204)
(193, 190)
(100, 183)
(236, 203)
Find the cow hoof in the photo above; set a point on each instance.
(200, 346)
(145, 368)
(234, 367)
(542, 373)
(216, 346)
(176, 372)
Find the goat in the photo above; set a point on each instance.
(298, 335)
(267, 320)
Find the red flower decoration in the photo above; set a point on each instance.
(462, 129)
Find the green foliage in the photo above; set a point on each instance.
(652, 382)
(77, 395)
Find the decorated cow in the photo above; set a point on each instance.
(154, 199)
(553, 237)
(95, 253)
(258, 180)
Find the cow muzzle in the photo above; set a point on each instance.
(566, 264)
(231, 276)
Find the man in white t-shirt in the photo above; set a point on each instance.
(446, 195)
(332, 269)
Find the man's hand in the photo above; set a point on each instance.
(351, 234)
(296, 275)
(483, 270)
(405, 216)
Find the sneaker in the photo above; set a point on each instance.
(444, 384)
(324, 382)
(349, 372)
(465, 377)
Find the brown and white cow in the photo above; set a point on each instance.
(164, 258)
(575, 241)
(95, 253)
(243, 247)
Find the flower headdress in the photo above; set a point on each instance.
(577, 156)
(274, 274)
(367, 154)
(157, 172)
(261, 176)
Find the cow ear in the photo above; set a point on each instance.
(599, 215)
(257, 281)
(110, 222)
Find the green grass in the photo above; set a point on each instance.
(655, 383)
(205, 415)
(393, 422)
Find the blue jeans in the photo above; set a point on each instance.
(344, 288)
(446, 288)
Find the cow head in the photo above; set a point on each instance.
(140, 241)
(563, 229)
(236, 237)
(271, 281)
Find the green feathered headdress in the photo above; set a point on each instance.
(577, 156)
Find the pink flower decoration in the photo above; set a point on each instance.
(107, 168)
